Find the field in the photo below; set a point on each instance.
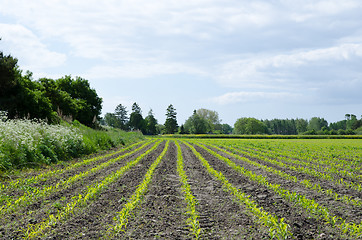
(193, 189)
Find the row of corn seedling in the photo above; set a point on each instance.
(346, 160)
(31, 196)
(304, 182)
(328, 177)
(19, 183)
(92, 192)
(318, 165)
(134, 201)
(277, 227)
(311, 207)
(191, 201)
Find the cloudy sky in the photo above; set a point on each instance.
(263, 59)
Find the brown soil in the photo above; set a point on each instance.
(161, 213)
(303, 226)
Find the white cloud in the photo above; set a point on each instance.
(140, 69)
(28, 48)
(244, 97)
(283, 70)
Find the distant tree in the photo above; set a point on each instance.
(316, 123)
(171, 121)
(249, 126)
(352, 122)
(136, 121)
(111, 120)
(182, 130)
(226, 129)
(160, 128)
(195, 124)
(212, 118)
(121, 113)
(151, 123)
(301, 125)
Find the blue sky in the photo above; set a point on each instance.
(262, 59)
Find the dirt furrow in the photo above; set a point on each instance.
(220, 216)
(302, 225)
(160, 214)
(93, 221)
(39, 210)
(338, 208)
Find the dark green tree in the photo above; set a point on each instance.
(171, 121)
(151, 123)
(249, 126)
(211, 117)
(136, 121)
(9, 82)
(121, 113)
(301, 125)
(226, 129)
(88, 104)
(195, 124)
(111, 120)
(316, 124)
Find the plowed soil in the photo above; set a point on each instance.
(161, 214)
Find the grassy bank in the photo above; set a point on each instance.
(25, 143)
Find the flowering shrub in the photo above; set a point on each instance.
(26, 142)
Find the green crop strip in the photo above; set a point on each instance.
(333, 166)
(277, 227)
(191, 201)
(42, 177)
(340, 160)
(30, 196)
(313, 208)
(135, 199)
(306, 183)
(93, 191)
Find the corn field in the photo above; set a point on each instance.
(193, 189)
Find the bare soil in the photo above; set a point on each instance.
(162, 211)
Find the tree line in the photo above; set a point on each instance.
(315, 126)
(135, 121)
(205, 121)
(52, 100)
(200, 122)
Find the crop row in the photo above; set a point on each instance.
(323, 165)
(92, 192)
(134, 201)
(267, 157)
(311, 207)
(191, 201)
(318, 153)
(32, 195)
(24, 182)
(304, 182)
(277, 227)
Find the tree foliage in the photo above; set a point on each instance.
(196, 124)
(121, 113)
(151, 123)
(136, 121)
(249, 126)
(22, 97)
(171, 121)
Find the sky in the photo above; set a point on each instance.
(264, 59)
